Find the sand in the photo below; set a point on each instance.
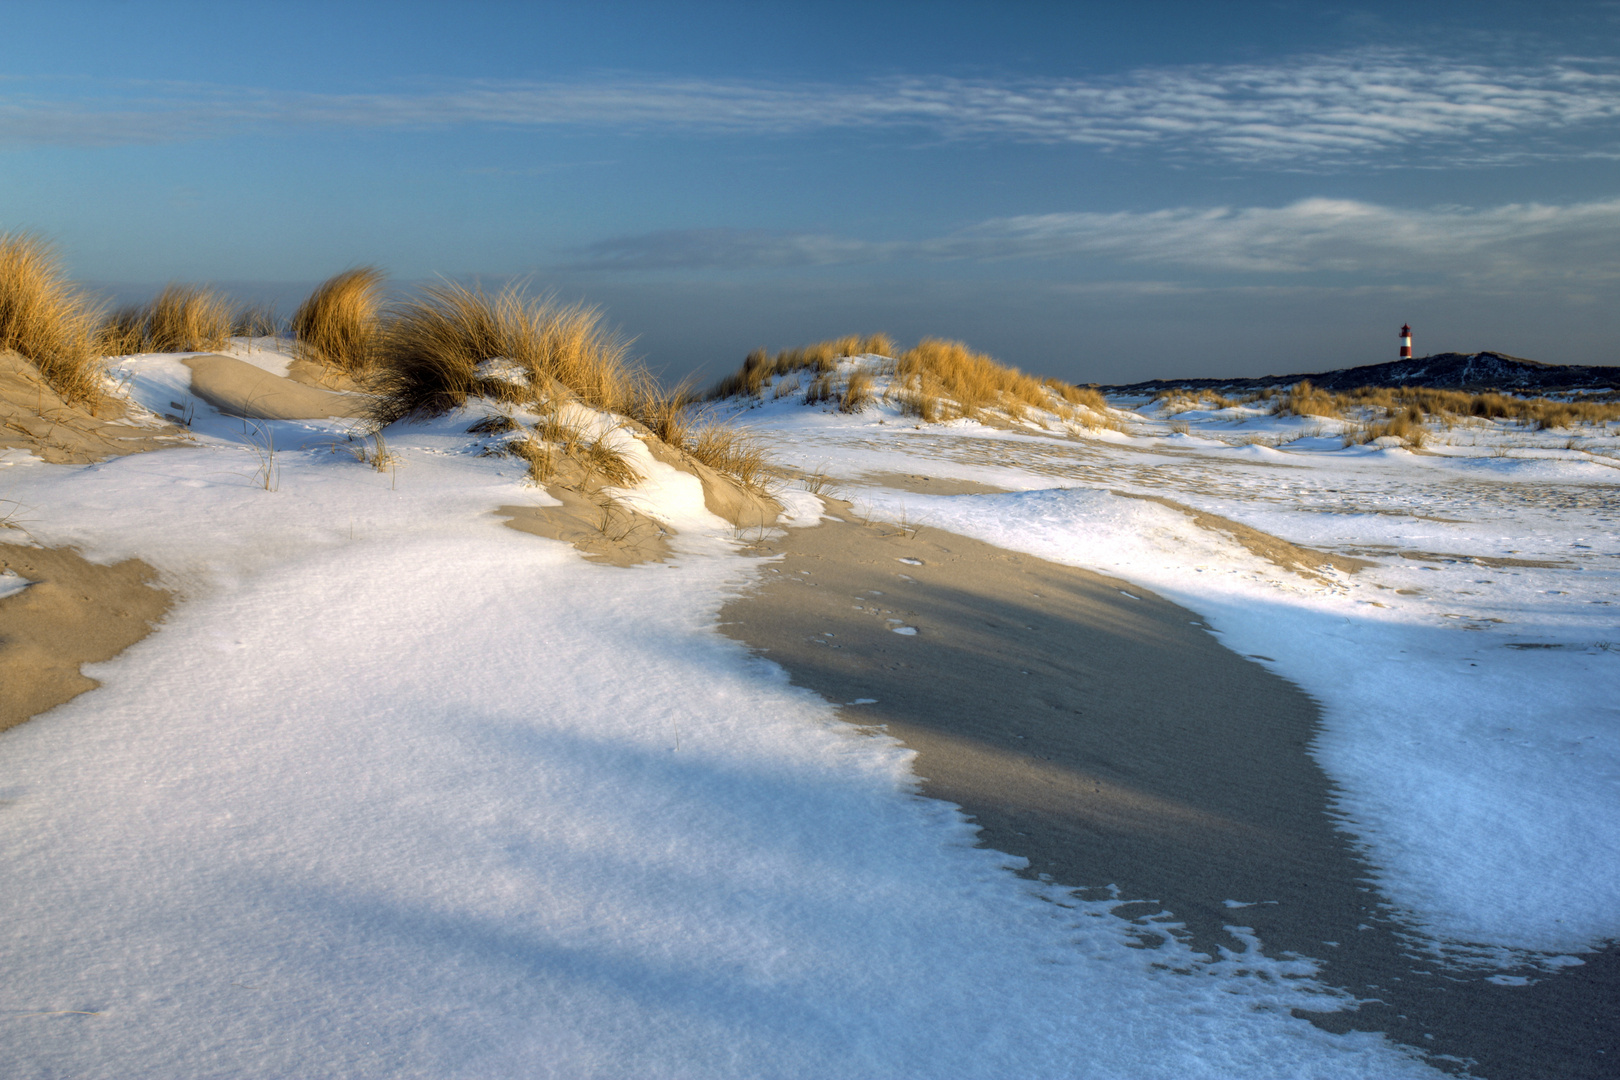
(601, 529)
(1107, 736)
(608, 530)
(34, 417)
(723, 497)
(238, 388)
(76, 612)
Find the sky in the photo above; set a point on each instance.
(1101, 192)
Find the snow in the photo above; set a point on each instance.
(396, 790)
(12, 583)
(1470, 718)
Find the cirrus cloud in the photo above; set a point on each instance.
(1362, 107)
(1515, 242)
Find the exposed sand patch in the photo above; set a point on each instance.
(1059, 711)
(919, 484)
(723, 497)
(1304, 561)
(238, 388)
(603, 530)
(1113, 741)
(611, 531)
(1495, 562)
(312, 373)
(75, 612)
(34, 417)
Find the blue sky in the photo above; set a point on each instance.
(1101, 192)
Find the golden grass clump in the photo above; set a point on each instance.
(255, 321)
(433, 353)
(821, 358)
(554, 439)
(539, 455)
(430, 354)
(857, 392)
(1420, 402)
(46, 319)
(973, 381)
(181, 318)
(1089, 396)
(1406, 425)
(187, 318)
(601, 458)
(1178, 400)
(339, 324)
(663, 412)
(734, 451)
(1303, 399)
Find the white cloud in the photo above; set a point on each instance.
(1362, 107)
(1517, 242)
(1322, 236)
(723, 249)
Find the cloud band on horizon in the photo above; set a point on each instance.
(1494, 244)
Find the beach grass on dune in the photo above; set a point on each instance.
(47, 319)
(454, 342)
(255, 321)
(732, 450)
(181, 318)
(1412, 414)
(820, 358)
(422, 357)
(339, 325)
(973, 381)
(934, 381)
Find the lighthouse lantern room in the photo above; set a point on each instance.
(1406, 342)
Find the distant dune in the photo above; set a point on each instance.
(1449, 371)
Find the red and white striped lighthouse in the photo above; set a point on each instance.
(1406, 342)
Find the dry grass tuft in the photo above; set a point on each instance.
(255, 321)
(735, 451)
(967, 380)
(664, 412)
(1407, 426)
(123, 333)
(339, 324)
(540, 455)
(187, 318)
(1420, 403)
(879, 345)
(759, 367)
(494, 424)
(1089, 396)
(1180, 401)
(599, 457)
(1303, 399)
(182, 318)
(857, 393)
(46, 319)
(431, 353)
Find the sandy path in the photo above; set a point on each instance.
(1106, 735)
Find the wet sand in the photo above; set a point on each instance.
(1107, 736)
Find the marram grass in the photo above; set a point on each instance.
(47, 319)
(339, 326)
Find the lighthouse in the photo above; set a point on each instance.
(1406, 342)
